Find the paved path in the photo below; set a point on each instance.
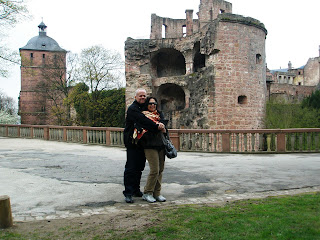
(48, 180)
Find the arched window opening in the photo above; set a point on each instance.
(168, 62)
(242, 99)
(171, 97)
(199, 60)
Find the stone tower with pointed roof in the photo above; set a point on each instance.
(40, 54)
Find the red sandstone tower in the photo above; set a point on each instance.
(40, 53)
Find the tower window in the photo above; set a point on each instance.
(242, 99)
(258, 59)
(43, 56)
(31, 55)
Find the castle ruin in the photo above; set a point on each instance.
(206, 73)
(291, 84)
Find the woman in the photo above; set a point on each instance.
(154, 152)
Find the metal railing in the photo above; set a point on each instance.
(204, 140)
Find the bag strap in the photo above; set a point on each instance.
(167, 134)
(164, 139)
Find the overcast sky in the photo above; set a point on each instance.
(293, 26)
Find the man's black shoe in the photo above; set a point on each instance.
(138, 194)
(128, 199)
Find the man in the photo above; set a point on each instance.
(135, 155)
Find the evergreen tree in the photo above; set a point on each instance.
(106, 111)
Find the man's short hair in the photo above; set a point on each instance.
(140, 90)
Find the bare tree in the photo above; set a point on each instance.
(56, 85)
(7, 104)
(11, 12)
(100, 68)
(8, 110)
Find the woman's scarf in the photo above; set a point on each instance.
(154, 116)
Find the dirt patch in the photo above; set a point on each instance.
(124, 219)
(104, 226)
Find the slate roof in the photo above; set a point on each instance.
(43, 42)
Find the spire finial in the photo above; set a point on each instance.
(42, 28)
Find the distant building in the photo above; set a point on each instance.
(293, 84)
(40, 53)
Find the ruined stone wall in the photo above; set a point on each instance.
(137, 67)
(311, 72)
(173, 27)
(289, 93)
(210, 9)
(214, 78)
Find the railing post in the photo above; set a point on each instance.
(46, 133)
(174, 136)
(7, 131)
(225, 142)
(269, 142)
(65, 138)
(84, 136)
(31, 132)
(281, 142)
(108, 140)
(18, 132)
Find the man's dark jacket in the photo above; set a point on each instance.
(135, 115)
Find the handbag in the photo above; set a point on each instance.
(171, 151)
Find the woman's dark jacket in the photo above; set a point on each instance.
(135, 116)
(153, 140)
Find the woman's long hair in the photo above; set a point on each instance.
(147, 103)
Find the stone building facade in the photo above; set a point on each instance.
(294, 84)
(39, 53)
(206, 73)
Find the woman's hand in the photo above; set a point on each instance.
(161, 127)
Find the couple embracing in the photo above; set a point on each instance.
(142, 138)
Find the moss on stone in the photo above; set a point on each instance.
(229, 17)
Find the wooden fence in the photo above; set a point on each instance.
(204, 140)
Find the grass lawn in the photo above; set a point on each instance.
(286, 217)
